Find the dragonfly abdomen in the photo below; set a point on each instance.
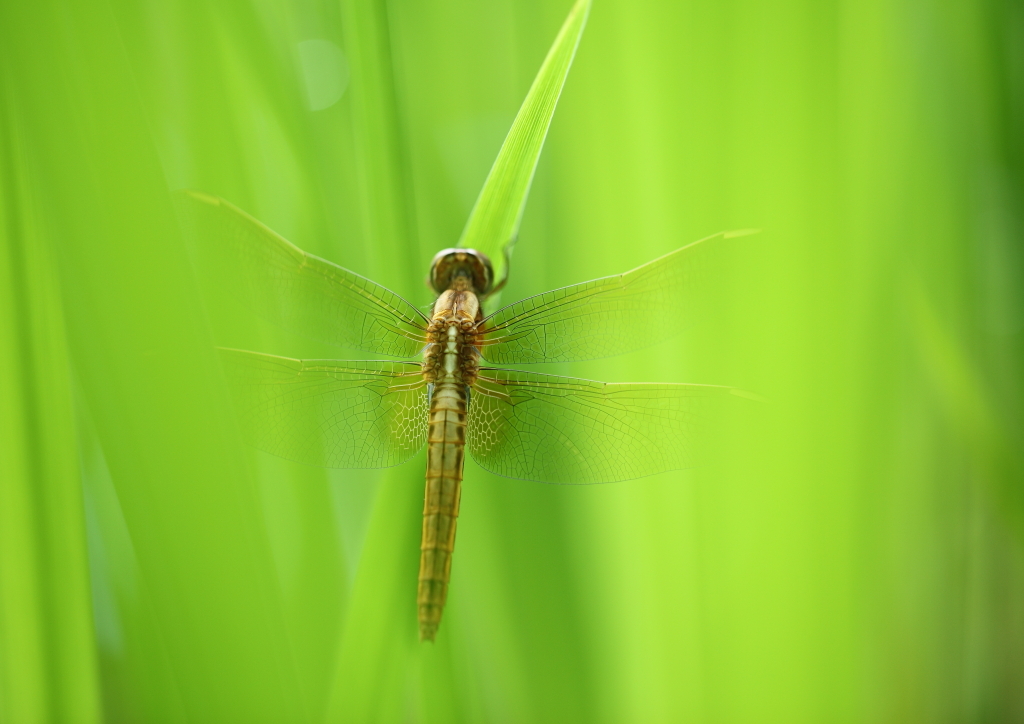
(446, 441)
(450, 362)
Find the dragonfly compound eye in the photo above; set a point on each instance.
(451, 263)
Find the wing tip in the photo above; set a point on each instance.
(746, 395)
(200, 196)
(736, 233)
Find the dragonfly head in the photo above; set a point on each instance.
(450, 264)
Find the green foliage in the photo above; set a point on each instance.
(494, 222)
(856, 556)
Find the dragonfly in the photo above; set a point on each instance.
(456, 397)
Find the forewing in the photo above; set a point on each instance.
(334, 414)
(297, 290)
(573, 431)
(608, 316)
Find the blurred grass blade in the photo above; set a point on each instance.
(494, 222)
(48, 666)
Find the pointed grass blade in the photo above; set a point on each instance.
(494, 222)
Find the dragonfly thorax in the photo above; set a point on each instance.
(451, 354)
(455, 306)
(451, 351)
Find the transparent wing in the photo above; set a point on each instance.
(329, 413)
(297, 290)
(608, 316)
(567, 430)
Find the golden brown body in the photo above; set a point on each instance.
(373, 414)
(450, 364)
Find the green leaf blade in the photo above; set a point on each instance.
(494, 222)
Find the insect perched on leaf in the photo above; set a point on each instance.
(375, 414)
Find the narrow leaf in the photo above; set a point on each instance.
(494, 222)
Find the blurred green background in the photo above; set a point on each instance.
(859, 555)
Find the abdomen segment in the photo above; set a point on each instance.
(446, 441)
